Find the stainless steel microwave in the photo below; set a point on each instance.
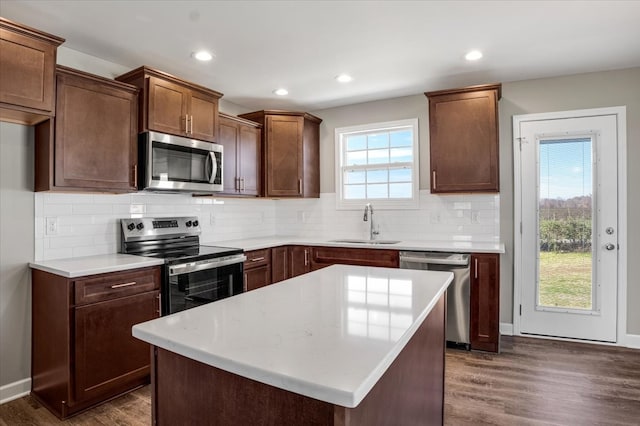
(174, 163)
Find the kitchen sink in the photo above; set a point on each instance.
(366, 241)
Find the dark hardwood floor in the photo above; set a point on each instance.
(532, 382)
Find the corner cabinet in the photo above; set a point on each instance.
(171, 105)
(27, 73)
(291, 153)
(83, 352)
(463, 135)
(91, 144)
(485, 302)
(242, 142)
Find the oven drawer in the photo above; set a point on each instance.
(256, 258)
(116, 284)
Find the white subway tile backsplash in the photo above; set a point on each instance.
(90, 224)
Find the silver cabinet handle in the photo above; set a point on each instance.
(306, 257)
(433, 179)
(476, 269)
(124, 285)
(135, 176)
(186, 124)
(191, 124)
(159, 297)
(299, 186)
(257, 259)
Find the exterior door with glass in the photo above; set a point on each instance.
(567, 196)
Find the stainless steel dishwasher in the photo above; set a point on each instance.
(458, 314)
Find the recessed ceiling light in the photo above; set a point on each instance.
(281, 92)
(344, 78)
(474, 55)
(203, 55)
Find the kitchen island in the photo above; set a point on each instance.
(344, 345)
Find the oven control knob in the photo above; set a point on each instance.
(131, 227)
(140, 226)
(195, 223)
(188, 224)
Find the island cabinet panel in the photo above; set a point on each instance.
(290, 153)
(83, 352)
(241, 140)
(92, 144)
(171, 105)
(410, 392)
(485, 302)
(463, 139)
(27, 70)
(257, 269)
(327, 256)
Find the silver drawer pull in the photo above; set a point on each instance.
(124, 284)
(257, 259)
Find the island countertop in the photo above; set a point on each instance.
(329, 334)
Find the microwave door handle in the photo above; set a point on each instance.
(211, 159)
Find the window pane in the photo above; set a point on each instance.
(356, 142)
(379, 140)
(378, 156)
(354, 192)
(401, 138)
(377, 191)
(377, 176)
(400, 175)
(354, 176)
(356, 158)
(400, 190)
(401, 155)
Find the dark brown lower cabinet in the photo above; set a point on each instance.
(83, 352)
(299, 260)
(327, 256)
(485, 302)
(257, 269)
(279, 264)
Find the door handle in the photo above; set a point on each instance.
(191, 124)
(610, 246)
(211, 159)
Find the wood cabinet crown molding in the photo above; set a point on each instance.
(61, 69)
(148, 71)
(30, 32)
(494, 86)
(240, 120)
(261, 113)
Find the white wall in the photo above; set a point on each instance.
(16, 250)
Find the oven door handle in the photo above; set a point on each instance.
(186, 268)
(211, 167)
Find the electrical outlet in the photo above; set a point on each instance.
(51, 226)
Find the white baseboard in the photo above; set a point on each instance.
(506, 329)
(632, 341)
(15, 390)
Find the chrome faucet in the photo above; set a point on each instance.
(368, 217)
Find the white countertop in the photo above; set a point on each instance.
(90, 265)
(329, 334)
(446, 246)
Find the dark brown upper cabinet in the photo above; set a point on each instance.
(291, 153)
(171, 105)
(27, 73)
(242, 144)
(91, 144)
(463, 133)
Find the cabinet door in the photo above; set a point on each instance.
(167, 107)
(284, 156)
(464, 142)
(299, 260)
(257, 277)
(203, 116)
(249, 147)
(27, 67)
(95, 135)
(485, 302)
(279, 264)
(228, 137)
(107, 357)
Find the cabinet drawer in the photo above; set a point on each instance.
(114, 285)
(256, 258)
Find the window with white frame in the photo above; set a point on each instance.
(377, 163)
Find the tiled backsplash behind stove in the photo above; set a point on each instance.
(74, 225)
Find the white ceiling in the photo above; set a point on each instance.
(391, 48)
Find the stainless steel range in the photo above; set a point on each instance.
(193, 274)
